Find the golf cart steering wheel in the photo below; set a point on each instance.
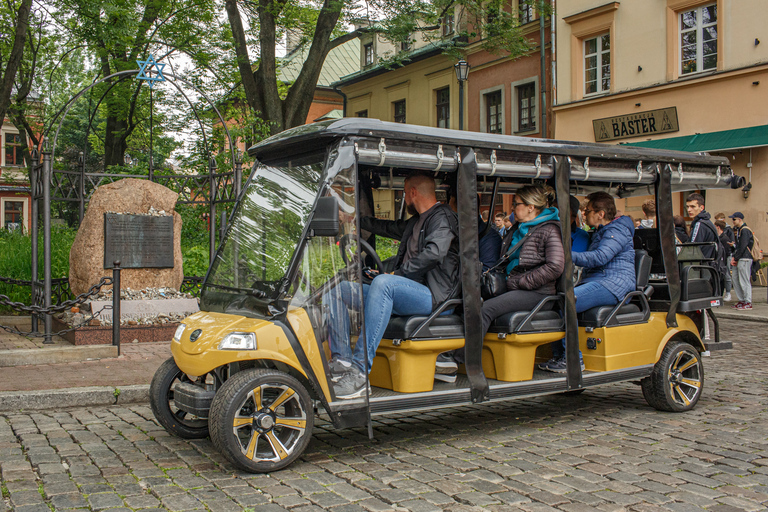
(347, 255)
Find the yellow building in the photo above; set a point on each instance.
(693, 73)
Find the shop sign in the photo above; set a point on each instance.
(650, 122)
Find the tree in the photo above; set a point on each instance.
(323, 28)
(120, 32)
(11, 56)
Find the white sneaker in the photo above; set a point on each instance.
(727, 297)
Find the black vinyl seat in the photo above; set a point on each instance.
(436, 325)
(443, 326)
(625, 313)
(540, 319)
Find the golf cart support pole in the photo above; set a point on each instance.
(470, 274)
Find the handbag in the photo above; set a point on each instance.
(493, 282)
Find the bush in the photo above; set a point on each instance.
(16, 259)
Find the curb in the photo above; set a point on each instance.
(56, 354)
(739, 316)
(15, 401)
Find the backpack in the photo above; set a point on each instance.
(755, 251)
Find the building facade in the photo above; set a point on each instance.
(501, 94)
(678, 74)
(14, 185)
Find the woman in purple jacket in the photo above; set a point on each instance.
(609, 264)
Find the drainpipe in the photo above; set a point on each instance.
(553, 54)
(543, 77)
(344, 96)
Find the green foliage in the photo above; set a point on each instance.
(16, 259)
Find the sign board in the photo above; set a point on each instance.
(650, 122)
(138, 241)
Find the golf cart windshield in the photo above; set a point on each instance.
(251, 264)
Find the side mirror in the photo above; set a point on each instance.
(325, 218)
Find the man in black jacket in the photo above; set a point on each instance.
(426, 273)
(702, 229)
(742, 260)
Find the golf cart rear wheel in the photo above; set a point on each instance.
(174, 420)
(677, 379)
(261, 420)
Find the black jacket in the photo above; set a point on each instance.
(437, 263)
(744, 243)
(702, 230)
(726, 238)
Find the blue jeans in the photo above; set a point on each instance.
(588, 296)
(387, 295)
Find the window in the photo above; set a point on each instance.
(13, 212)
(362, 113)
(597, 64)
(405, 46)
(399, 111)
(526, 107)
(447, 23)
(698, 39)
(368, 54)
(443, 106)
(526, 12)
(493, 112)
(14, 154)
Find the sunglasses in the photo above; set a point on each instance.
(587, 210)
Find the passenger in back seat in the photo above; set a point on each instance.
(609, 263)
(535, 264)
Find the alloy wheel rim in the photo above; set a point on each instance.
(270, 423)
(684, 377)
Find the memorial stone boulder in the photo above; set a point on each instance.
(129, 196)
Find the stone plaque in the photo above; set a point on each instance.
(650, 122)
(138, 241)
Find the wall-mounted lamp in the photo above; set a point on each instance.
(756, 82)
(757, 41)
(746, 190)
(639, 68)
(637, 104)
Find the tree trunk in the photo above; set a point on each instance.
(6, 81)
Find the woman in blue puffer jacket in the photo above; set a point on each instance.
(609, 265)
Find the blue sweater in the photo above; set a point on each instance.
(610, 259)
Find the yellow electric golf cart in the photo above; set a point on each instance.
(252, 368)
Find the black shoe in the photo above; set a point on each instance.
(446, 368)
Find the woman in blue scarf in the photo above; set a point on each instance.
(533, 268)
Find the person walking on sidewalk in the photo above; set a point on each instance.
(742, 260)
(728, 241)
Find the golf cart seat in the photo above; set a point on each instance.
(509, 348)
(625, 312)
(405, 359)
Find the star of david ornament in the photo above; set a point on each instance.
(146, 67)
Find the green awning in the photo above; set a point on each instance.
(752, 137)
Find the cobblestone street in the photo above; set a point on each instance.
(604, 449)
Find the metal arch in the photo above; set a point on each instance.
(173, 78)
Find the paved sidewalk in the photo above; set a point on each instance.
(758, 313)
(136, 365)
(603, 450)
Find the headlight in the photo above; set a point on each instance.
(238, 341)
(179, 332)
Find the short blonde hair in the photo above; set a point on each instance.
(538, 196)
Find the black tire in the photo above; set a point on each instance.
(175, 421)
(264, 431)
(677, 379)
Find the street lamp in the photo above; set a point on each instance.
(462, 73)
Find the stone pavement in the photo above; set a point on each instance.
(602, 450)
